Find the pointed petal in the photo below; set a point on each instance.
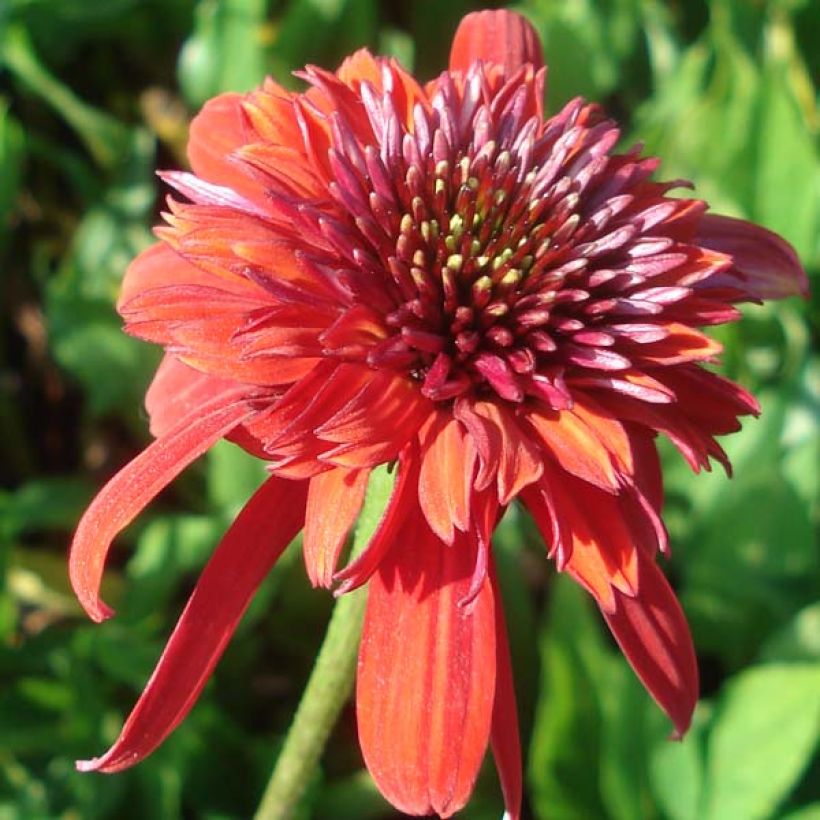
(768, 265)
(504, 736)
(577, 444)
(256, 539)
(652, 632)
(333, 504)
(501, 37)
(446, 479)
(401, 504)
(125, 495)
(426, 678)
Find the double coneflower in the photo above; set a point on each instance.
(438, 277)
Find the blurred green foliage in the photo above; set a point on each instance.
(93, 97)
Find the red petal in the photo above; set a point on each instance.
(133, 487)
(767, 263)
(402, 502)
(215, 134)
(333, 504)
(501, 37)
(249, 549)
(520, 461)
(176, 392)
(426, 678)
(652, 632)
(506, 743)
(446, 479)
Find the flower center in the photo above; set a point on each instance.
(481, 260)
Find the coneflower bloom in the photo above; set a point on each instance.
(438, 277)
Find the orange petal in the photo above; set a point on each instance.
(402, 503)
(133, 487)
(446, 479)
(426, 678)
(252, 545)
(575, 444)
(601, 544)
(520, 461)
(501, 37)
(682, 344)
(215, 133)
(333, 504)
(652, 632)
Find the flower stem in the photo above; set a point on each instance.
(330, 683)
(327, 691)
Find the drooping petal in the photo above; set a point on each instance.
(334, 500)
(247, 552)
(768, 265)
(504, 736)
(426, 677)
(125, 495)
(176, 392)
(498, 36)
(651, 629)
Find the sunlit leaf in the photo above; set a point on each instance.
(765, 732)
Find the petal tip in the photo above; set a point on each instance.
(497, 36)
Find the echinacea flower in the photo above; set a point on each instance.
(502, 304)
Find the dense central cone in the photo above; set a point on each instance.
(515, 251)
(475, 261)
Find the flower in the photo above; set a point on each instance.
(375, 271)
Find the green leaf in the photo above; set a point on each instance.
(233, 477)
(786, 149)
(564, 751)
(104, 137)
(42, 504)
(676, 774)
(227, 50)
(12, 154)
(799, 640)
(764, 734)
(811, 812)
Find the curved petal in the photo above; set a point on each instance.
(768, 265)
(125, 495)
(216, 132)
(652, 632)
(176, 392)
(426, 677)
(499, 36)
(252, 545)
(399, 506)
(334, 500)
(504, 736)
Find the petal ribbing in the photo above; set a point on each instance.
(767, 264)
(125, 495)
(426, 678)
(333, 503)
(501, 37)
(651, 629)
(249, 549)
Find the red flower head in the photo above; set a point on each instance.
(378, 271)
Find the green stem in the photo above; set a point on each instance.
(328, 689)
(330, 684)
